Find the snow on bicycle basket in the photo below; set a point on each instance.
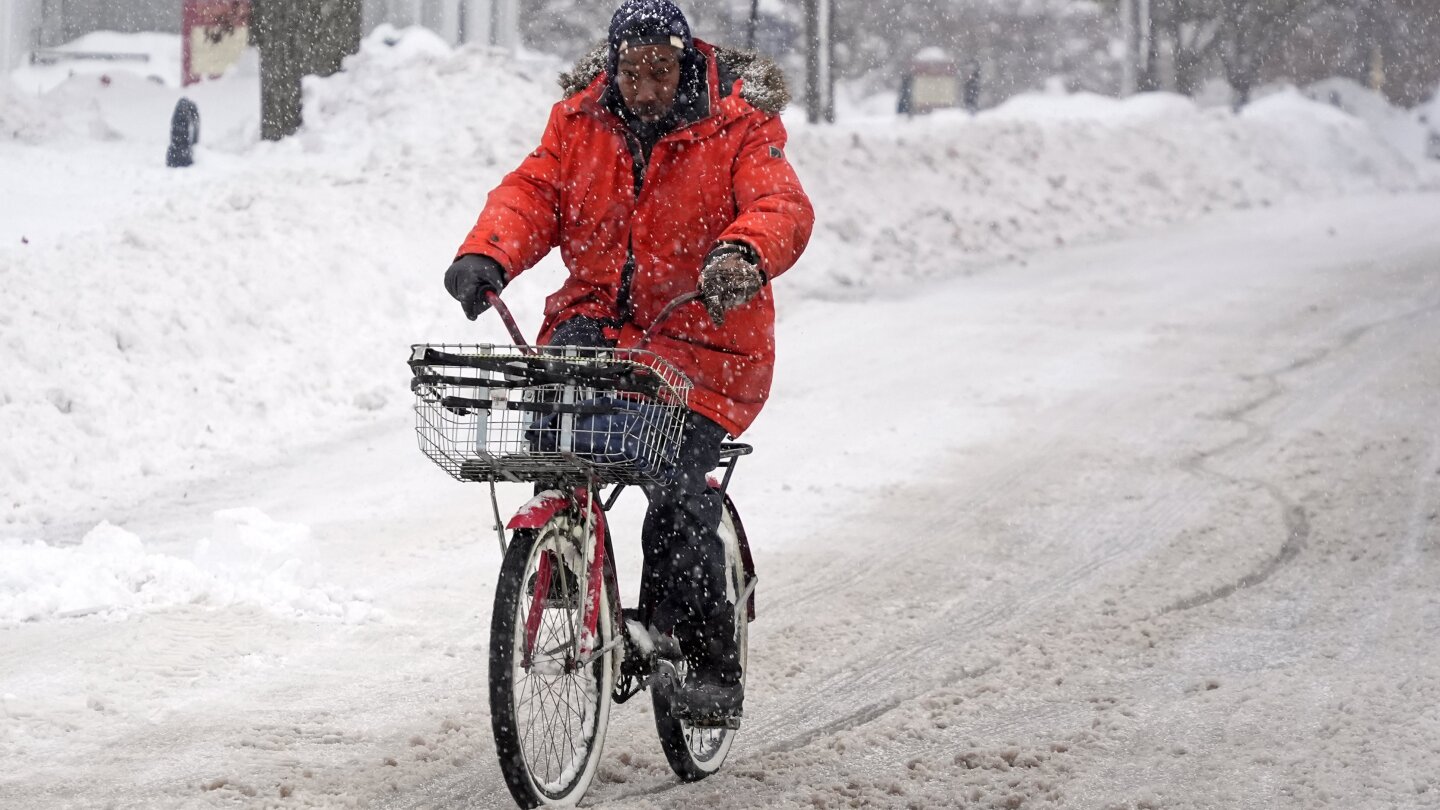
(499, 413)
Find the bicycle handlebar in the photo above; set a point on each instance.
(493, 298)
(675, 303)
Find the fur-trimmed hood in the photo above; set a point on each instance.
(763, 83)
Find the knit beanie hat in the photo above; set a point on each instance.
(648, 22)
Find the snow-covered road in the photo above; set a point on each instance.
(1150, 524)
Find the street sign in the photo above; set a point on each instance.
(215, 33)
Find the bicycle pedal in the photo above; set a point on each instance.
(664, 679)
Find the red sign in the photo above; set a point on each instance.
(215, 33)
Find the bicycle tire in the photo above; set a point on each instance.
(549, 719)
(695, 752)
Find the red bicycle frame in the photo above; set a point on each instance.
(536, 514)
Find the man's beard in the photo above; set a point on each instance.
(653, 129)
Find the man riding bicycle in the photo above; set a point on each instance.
(663, 171)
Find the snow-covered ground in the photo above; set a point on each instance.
(1101, 469)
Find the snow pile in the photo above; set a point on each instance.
(243, 307)
(121, 106)
(163, 325)
(153, 57)
(1429, 112)
(251, 560)
(1405, 130)
(24, 120)
(408, 102)
(105, 100)
(949, 193)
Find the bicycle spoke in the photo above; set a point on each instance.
(554, 705)
(554, 700)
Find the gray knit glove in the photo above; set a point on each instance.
(731, 277)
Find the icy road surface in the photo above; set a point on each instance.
(1150, 524)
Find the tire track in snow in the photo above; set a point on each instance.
(1101, 542)
(1297, 521)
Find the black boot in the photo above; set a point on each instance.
(706, 700)
(713, 693)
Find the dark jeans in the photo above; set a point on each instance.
(682, 586)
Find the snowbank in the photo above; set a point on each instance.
(162, 325)
(106, 102)
(1407, 131)
(251, 560)
(161, 320)
(24, 120)
(153, 57)
(948, 194)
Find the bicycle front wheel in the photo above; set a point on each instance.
(549, 703)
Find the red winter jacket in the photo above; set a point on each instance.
(722, 178)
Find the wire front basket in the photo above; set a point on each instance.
(499, 413)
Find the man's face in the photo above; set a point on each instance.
(649, 80)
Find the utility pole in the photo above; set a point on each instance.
(506, 30)
(752, 24)
(819, 53)
(1127, 37)
(828, 20)
(1146, 68)
(811, 10)
(495, 23)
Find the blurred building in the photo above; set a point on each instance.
(492, 22)
(29, 25)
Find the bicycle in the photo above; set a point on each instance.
(572, 421)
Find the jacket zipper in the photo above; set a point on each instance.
(624, 303)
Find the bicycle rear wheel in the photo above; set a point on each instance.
(548, 710)
(695, 752)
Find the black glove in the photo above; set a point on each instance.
(731, 277)
(470, 277)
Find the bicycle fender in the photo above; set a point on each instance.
(747, 561)
(542, 507)
(539, 510)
